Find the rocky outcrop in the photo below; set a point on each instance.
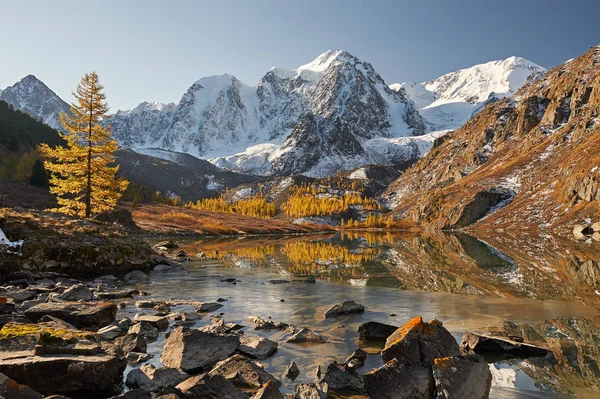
(418, 343)
(91, 315)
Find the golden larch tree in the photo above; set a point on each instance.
(83, 172)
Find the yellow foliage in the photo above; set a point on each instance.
(256, 206)
(307, 201)
(82, 179)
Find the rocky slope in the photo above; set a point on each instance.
(178, 174)
(529, 161)
(316, 120)
(450, 100)
(32, 96)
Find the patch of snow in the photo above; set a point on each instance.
(359, 174)
(11, 247)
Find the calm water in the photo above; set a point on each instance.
(467, 283)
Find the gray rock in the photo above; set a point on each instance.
(373, 330)
(92, 315)
(208, 307)
(137, 357)
(344, 308)
(77, 292)
(12, 389)
(257, 347)
(462, 377)
(480, 343)
(20, 295)
(315, 390)
(132, 343)
(356, 360)
(144, 329)
(116, 294)
(137, 276)
(149, 303)
(152, 379)
(242, 372)
(160, 322)
(262, 324)
(268, 391)
(195, 350)
(111, 332)
(342, 380)
(205, 386)
(292, 371)
(396, 381)
(306, 335)
(67, 373)
(163, 268)
(418, 343)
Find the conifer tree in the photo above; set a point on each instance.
(82, 176)
(38, 178)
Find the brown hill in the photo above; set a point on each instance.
(531, 161)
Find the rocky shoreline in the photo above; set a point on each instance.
(61, 336)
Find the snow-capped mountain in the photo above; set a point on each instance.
(316, 119)
(32, 96)
(450, 100)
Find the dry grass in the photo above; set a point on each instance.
(159, 218)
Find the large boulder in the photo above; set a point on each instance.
(132, 343)
(344, 308)
(257, 347)
(11, 389)
(205, 386)
(373, 330)
(397, 381)
(91, 315)
(341, 379)
(481, 343)
(243, 373)
(418, 343)
(462, 377)
(66, 373)
(152, 379)
(194, 350)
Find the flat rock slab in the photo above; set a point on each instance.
(207, 386)
(480, 343)
(418, 343)
(194, 350)
(92, 315)
(257, 347)
(160, 322)
(306, 335)
(117, 294)
(243, 373)
(394, 380)
(462, 377)
(11, 389)
(208, 307)
(262, 324)
(66, 373)
(344, 308)
(373, 330)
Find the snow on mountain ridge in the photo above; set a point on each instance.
(450, 100)
(33, 97)
(249, 128)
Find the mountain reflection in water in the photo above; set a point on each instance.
(548, 288)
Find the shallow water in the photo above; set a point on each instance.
(467, 284)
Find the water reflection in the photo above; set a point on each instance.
(400, 276)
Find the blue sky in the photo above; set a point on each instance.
(147, 50)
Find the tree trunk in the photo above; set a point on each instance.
(88, 199)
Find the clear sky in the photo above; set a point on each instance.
(147, 50)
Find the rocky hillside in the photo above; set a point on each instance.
(180, 175)
(33, 97)
(530, 161)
